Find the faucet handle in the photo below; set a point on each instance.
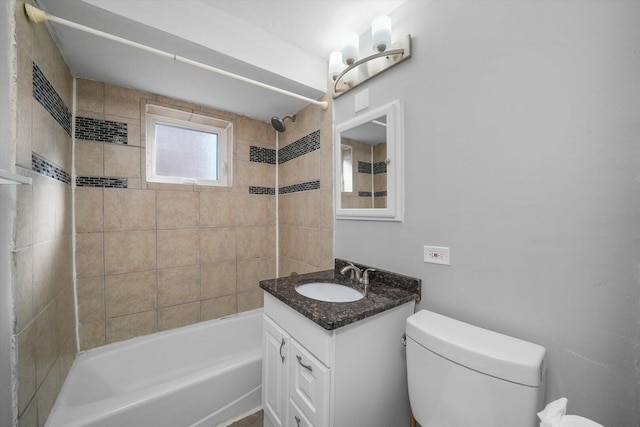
(365, 276)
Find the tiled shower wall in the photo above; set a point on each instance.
(151, 257)
(306, 214)
(44, 301)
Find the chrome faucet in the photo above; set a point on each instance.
(358, 275)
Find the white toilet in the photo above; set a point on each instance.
(461, 375)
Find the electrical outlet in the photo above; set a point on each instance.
(437, 255)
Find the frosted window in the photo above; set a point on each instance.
(186, 153)
(188, 148)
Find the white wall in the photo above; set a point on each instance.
(522, 155)
(7, 206)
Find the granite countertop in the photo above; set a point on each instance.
(386, 290)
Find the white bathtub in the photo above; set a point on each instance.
(199, 375)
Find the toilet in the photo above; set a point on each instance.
(460, 375)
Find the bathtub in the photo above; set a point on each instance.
(200, 375)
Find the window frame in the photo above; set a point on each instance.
(155, 114)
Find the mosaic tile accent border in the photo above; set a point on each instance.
(364, 167)
(269, 191)
(368, 194)
(304, 145)
(102, 182)
(305, 186)
(101, 130)
(375, 168)
(45, 93)
(379, 167)
(46, 168)
(262, 155)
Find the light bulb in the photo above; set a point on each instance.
(381, 33)
(350, 48)
(335, 64)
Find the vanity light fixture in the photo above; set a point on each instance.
(386, 55)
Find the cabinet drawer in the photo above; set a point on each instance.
(312, 337)
(297, 417)
(309, 385)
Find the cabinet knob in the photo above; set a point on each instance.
(297, 420)
(282, 345)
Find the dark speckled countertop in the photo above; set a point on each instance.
(386, 290)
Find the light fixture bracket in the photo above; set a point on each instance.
(369, 67)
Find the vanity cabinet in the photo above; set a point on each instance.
(354, 375)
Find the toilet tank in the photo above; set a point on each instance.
(460, 375)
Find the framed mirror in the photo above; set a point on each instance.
(369, 165)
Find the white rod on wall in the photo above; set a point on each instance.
(37, 15)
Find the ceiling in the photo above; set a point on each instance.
(283, 43)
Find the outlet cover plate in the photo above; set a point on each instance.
(437, 255)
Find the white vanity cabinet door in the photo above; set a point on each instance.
(309, 385)
(275, 373)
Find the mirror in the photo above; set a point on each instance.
(368, 158)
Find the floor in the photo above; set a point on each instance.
(253, 420)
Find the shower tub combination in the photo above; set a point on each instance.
(200, 375)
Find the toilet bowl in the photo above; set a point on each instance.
(460, 375)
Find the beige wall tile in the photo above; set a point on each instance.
(43, 212)
(89, 209)
(24, 121)
(129, 251)
(250, 300)
(89, 255)
(24, 215)
(122, 160)
(178, 315)
(46, 343)
(29, 418)
(119, 101)
(65, 314)
(24, 37)
(217, 244)
(130, 293)
(92, 335)
(26, 368)
(90, 95)
(252, 270)
(178, 285)
(218, 307)
(252, 209)
(178, 248)
(44, 274)
(217, 209)
(177, 209)
(133, 325)
(253, 130)
(68, 351)
(253, 242)
(47, 393)
(90, 299)
(24, 287)
(218, 279)
(89, 158)
(325, 250)
(126, 209)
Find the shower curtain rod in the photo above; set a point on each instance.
(37, 15)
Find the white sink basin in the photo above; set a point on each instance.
(329, 292)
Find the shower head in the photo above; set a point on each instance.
(278, 123)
